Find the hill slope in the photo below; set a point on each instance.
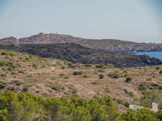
(56, 78)
(79, 54)
(106, 44)
(120, 46)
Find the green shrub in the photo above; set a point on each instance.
(142, 87)
(78, 73)
(121, 101)
(160, 87)
(102, 66)
(107, 90)
(101, 76)
(149, 79)
(18, 83)
(28, 107)
(101, 71)
(26, 87)
(35, 66)
(140, 115)
(114, 75)
(4, 63)
(63, 67)
(85, 76)
(160, 72)
(61, 75)
(30, 75)
(2, 84)
(3, 75)
(66, 77)
(128, 79)
(160, 105)
(159, 115)
(131, 94)
(126, 104)
(20, 71)
(157, 68)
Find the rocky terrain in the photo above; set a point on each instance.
(105, 44)
(82, 55)
(121, 46)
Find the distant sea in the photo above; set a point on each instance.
(151, 54)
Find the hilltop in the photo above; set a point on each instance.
(82, 55)
(51, 77)
(104, 44)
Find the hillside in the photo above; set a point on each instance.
(120, 46)
(41, 38)
(57, 78)
(83, 55)
(105, 44)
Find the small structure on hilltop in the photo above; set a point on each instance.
(154, 107)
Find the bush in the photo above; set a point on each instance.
(160, 72)
(121, 101)
(20, 71)
(61, 75)
(101, 76)
(101, 71)
(131, 94)
(102, 66)
(77, 73)
(3, 75)
(26, 87)
(107, 90)
(28, 107)
(127, 104)
(85, 76)
(4, 63)
(160, 87)
(140, 115)
(142, 87)
(66, 77)
(2, 84)
(114, 75)
(18, 83)
(128, 79)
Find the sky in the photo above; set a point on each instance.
(132, 20)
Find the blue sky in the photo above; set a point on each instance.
(133, 20)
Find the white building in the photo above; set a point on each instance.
(154, 107)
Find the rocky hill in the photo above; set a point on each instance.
(106, 44)
(79, 54)
(121, 46)
(41, 38)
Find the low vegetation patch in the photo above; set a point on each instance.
(78, 73)
(101, 66)
(142, 87)
(2, 84)
(114, 75)
(128, 79)
(101, 76)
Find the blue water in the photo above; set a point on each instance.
(151, 54)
